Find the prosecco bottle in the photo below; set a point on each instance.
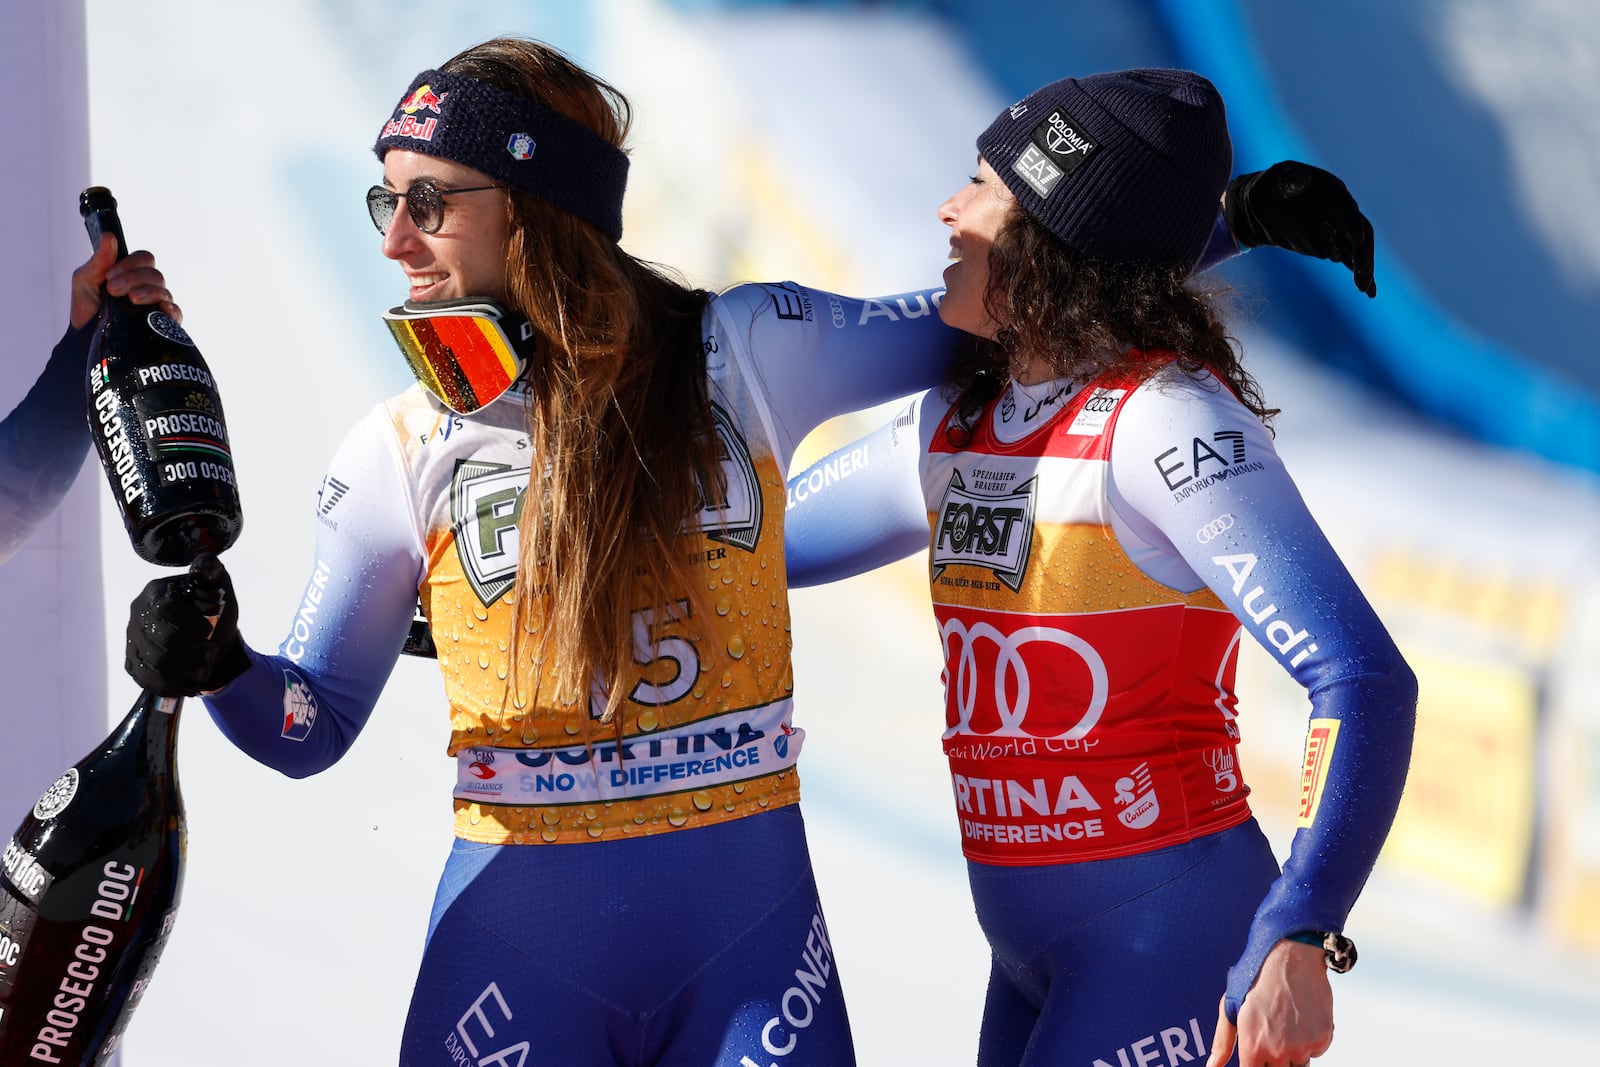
(89, 889)
(157, 421)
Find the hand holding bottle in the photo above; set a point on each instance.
(183, 632)
(135, 277)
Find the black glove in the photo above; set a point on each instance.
(1306, 210)
(183, 632)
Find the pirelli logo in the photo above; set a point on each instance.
(1321, 738)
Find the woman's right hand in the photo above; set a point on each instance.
(183, 632)
(135, 276)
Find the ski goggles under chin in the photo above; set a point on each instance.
(458, 349)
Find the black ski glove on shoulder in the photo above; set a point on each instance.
(183, 632)
(1304, 209)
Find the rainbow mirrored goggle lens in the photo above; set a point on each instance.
(458, 351)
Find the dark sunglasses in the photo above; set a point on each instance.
(424, 203)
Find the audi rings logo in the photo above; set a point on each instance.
(1095, 413)
(1103, 402)
(1013, 685)
(1214, 529)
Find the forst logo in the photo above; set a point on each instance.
(993, 531)
(485, 507)
(731, 511)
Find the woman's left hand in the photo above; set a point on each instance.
(1303, 209)
(1287, 1018)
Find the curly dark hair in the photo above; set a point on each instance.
(1082, 316)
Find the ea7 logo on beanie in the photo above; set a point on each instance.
(1060, 145)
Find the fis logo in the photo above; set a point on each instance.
(993, 531)
(521, 146)
(299, 707)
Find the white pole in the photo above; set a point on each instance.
(53, 659)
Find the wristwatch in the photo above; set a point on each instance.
(1338, 950)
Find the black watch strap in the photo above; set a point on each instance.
(1338, 950)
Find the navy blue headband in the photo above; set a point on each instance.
(515, 141)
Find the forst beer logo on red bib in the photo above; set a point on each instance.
(989, 530)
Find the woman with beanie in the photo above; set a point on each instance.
(586, 491)
(1106, 515)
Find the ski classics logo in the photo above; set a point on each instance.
(989, 530)
(58, 796)
(1012, 685)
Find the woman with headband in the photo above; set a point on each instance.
(586, 492)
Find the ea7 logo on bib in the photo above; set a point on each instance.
(994, 531)
(485, 504)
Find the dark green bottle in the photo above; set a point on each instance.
(89, 890)
(156, 420)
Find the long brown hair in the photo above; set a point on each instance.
(1080, 316)
(620, 423)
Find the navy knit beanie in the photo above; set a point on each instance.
(1127, 167)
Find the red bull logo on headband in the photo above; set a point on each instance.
(423, 99)
(406, 124)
